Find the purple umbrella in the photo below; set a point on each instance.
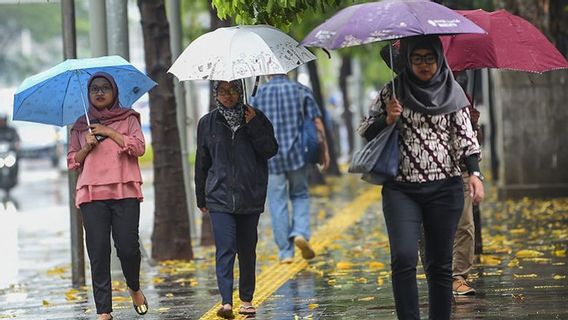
(387, 20)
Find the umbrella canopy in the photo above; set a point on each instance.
(58, 96)
(240, 52)
(387, 20)
(511, 43)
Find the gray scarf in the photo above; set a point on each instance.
(437, 96)
(235, 115)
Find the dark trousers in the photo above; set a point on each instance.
(235, 235)
(100, 219)
(437, 206)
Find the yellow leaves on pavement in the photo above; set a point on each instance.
(45, 303)
(489, 260)
(558, 277)
(121, 299)
(559, 253)
(366, 299)
(375, 265)
(361, 280)
(71, 295)
(344, 265)
(528, 254)
(421, 276)
(312, 306)
(57, 271)
(525, 276)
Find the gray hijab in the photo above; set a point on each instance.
(437, 96)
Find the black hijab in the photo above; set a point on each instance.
(437, 96)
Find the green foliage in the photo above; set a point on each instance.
(278, 13)
(195, 15)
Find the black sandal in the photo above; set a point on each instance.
(141, 309)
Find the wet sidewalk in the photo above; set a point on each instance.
(522, 274)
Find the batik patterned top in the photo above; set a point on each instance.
(431, 147)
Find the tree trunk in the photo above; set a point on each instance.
(532, 109)
(206, 232)
(171, 236)
(316, 88)
(345, 72)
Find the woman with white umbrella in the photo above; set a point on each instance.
(234, 143)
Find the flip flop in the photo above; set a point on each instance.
(250, 310)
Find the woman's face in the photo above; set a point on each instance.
(227, 94)
(424, 63)
(100, 93)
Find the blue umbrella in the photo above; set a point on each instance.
(58, 96)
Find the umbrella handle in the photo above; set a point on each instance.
(392, 69)
(257, 80)
(245, 98)
(83, 101)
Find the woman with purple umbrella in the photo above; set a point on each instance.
(431, 111)
(105, 152)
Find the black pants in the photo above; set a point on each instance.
(235, 234)
(437, 206)
(120, 217)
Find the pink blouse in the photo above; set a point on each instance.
(109, 171)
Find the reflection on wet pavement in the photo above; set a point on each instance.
(522, 274)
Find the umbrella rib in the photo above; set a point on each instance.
(65, 95)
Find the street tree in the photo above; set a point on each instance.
(171, 235)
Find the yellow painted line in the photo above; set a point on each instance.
(277, 274)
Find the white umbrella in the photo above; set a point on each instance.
(240, 52)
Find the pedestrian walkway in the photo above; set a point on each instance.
(522, 274)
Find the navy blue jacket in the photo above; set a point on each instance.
(231, 168)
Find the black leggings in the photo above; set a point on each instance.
(438, 206)
(120, 217)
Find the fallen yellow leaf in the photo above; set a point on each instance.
(558, 277)
(559, 253)
(529, 254)
(344, 265)
(530, 275)
(361, 280)
(375, 265)
(421, 276)
(490, 260)
(45, 303)
(313, 306)
(366, 299)
(331, 282)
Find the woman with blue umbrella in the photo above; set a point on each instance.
(105, 153)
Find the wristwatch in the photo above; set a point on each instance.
(478, 175)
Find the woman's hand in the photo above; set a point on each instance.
(249, 114)
(90, 141)
(203, 210)
(477, 191)
(101, 129)
(394, 110)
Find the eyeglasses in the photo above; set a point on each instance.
(103, 89)
(232, 92)
(416, 59)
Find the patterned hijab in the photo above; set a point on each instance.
(437, 96)
(235, 115)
